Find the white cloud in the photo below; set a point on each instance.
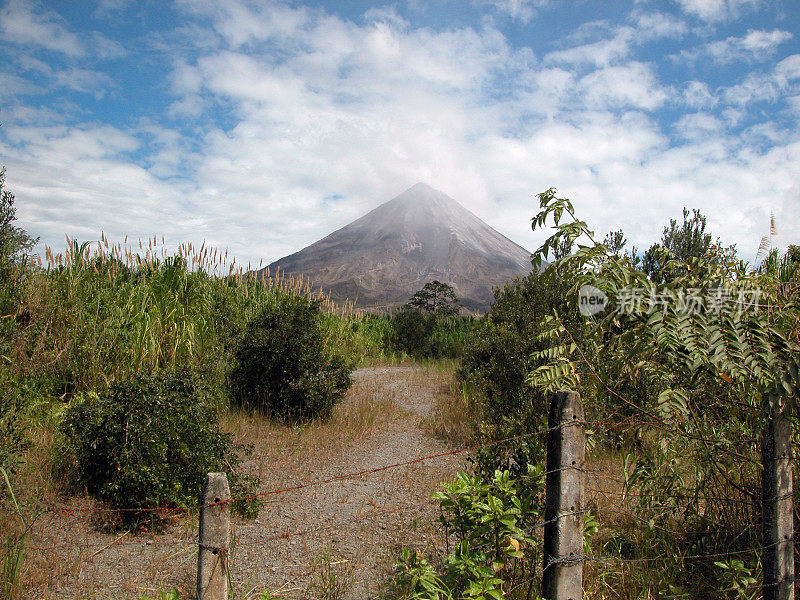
(520, 10)
(80, 180)
(789, 68)
(599, 44)
(600, 53)
(717, 10)
(768, 86)
(241, 22)
(20, 25)
(698, 126)
(756, 46)
(632, 85)
(323, 106)
(656, 25)
(698, 95)
(12, 86)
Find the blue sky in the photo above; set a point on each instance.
(262, 126)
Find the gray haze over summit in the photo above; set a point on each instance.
(382, 258)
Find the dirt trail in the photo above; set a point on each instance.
(352, 529)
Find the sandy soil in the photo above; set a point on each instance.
(337, 540)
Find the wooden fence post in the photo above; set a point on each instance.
(214, 539)
(777, 497)
(564, 504)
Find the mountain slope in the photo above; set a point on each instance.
(388, 254)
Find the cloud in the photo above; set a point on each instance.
(600, 44)
(698, 126)
(657, 25)
(629, 86)
(768, 86)
(519, 10)
(717, 10)
(20, 25)
(756, 46)
(242, 23)
(697, 94)
(80, 180)
(600, 53)
(316, 106)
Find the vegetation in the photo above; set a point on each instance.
(128, 360)
(428, 326)
(667, 260)
(14, 245)
(282, 366)
(499, 355)
(148, 443)
(678, 373)
(104, 338)
(490, 519)
(435, 298)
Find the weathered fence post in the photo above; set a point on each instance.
(778, 517)
(564, 503)
(215, 523)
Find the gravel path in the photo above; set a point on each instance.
(337, 540)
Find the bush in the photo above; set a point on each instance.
(282, 366)
(493, 552)
(149, 442)
(12, 427)
(498, 357)
(411, 332)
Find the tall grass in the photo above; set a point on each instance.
(94, 314)
(12, 552)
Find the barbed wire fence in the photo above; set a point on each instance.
(569, 497)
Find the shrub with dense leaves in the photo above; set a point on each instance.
(498, 356)
(411, 332)
(428, 326)
(493, 553)
(12, 427)
(149, 442)
(283, 368)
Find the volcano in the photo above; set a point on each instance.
(381, 259)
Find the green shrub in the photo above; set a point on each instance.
(493, 552)
(149, 442)
(411, 332)
(498, 356)
(282, 366)
(422, 335)
(14, 422)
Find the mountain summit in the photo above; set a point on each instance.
(381, 259)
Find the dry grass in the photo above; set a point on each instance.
(76, 563)
(456, 414)
(283, 452)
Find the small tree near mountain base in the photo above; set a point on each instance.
(435, 298)
(413, 328)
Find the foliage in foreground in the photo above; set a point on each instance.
(680, 390)
(494, 555)
(148, 443)
(499, 353)
(716, 343)
(282, 366)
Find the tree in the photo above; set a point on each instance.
(679, 244)
(14, 245)
(615, 240)
(435, 298)
(283, 368)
